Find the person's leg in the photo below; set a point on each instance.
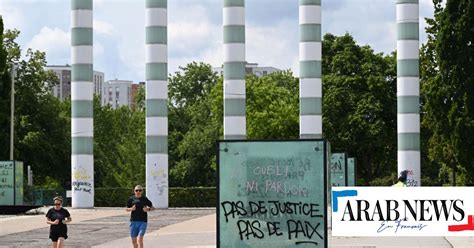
(141, 233)
(140, 241)
(134, 243)
(134, 229)
(54, 238)
(60, 242)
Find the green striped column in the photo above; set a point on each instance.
(311, 123)
(234, 69)
(157, 102)
(82, 88)
(408, 90)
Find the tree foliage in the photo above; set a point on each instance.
(42, 136)
(448, 86)
(359, 104)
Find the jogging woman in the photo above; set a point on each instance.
(58, 217)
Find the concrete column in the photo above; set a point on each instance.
(408, 90)
(234, 69)
(157, 102)
(82, 89)
(311, 123)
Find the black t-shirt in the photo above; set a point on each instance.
(60, 215)
(140, 203)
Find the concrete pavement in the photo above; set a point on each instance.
(184, 228)
(90, 227)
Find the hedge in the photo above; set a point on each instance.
(178, 197)
(117, 197)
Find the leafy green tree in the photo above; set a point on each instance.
(273, 106)
(192, 129)
(359, 104)
(447, 87)
(119, 146)
(42, 134)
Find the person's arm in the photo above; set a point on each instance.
(130, 207)
(50, 222)
(149, 206)
(67, 218)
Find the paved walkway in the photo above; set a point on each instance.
(185, 228)
(90, 227)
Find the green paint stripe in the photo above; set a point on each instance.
(234, 3)
(157, 144)
(157, 3)
(157, 71)
(82, 145)
(81, 4)
(408, 104)
(234, 107)
(235, 137)
(310, 32)
(408, 141)
(310, 2)
(311, 136)
(81, 37)
(82, 109)
(156, 35)
(156, 107)
(234, 70)
(310, 69)
(408, 31)
(234, 34)
(310, 106)
(82, 72)
(408, 68)
(407, 1)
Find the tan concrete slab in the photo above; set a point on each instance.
(461, 242)
(198, 232)
(17, 224)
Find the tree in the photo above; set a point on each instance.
(448, 86)
(119, 146)
(42, 133)
(273, 106)
(359, 104)
(192, 126)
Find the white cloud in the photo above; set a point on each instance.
(55, 42)
(195, 30)
(102, 27)
(275, 46)
(12, 16)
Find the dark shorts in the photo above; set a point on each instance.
(55, 235)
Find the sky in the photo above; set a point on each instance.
(195, 30)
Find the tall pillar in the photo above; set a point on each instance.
(234, 69)
(311, 123)
(408, 90)
(157, 102)
(82, 91)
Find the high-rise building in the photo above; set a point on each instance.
(62, 90)
(117, 93)
(251, 68)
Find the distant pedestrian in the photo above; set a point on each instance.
(58, 217)
(402, 179)
(138, 205)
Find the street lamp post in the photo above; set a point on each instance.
(12, 106)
